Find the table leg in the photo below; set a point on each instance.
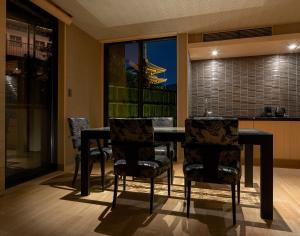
(248, 165)
(171, 160)
(266, 178)
(85, 179)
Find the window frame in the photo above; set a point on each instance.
(141, 63)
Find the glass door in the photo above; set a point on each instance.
(30, 97)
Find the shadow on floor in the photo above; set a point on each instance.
(211, 208)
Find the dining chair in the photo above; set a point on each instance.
(164, 148)
(212, 154)
(77, 124)
(133, 152)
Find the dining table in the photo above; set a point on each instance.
(246, 137)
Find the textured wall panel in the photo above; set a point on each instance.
(243, 86)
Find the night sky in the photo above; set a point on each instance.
(161, 53)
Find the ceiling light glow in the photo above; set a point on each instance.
(292, 46)
(214, 53)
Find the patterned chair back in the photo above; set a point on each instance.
(212, 142)
(211, 131)
(77, 124)
(132, 140)
(162, 121)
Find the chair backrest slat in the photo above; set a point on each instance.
(162, 121)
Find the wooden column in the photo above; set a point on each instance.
(182, 84)
(62, 93)
(101, 86)
(2, 94)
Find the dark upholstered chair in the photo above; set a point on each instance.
(133, 151)
(77, 124)
(212, 154)
(164, 148)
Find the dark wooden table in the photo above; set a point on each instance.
(249, 137)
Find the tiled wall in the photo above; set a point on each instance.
(243, 86)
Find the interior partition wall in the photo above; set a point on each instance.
(141, 78)
(30, 92)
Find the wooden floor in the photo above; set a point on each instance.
(50, 206)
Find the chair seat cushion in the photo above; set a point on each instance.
(94, 151)
(164, 163)
(225, 174)
(107, 150)
(160, 150)
(145, 169)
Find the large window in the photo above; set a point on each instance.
(140, 78)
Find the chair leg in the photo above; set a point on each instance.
(102, 165)
(239, 191)
(169, 181)
(188, 198)
(115, 191)
(185, 186)
(151, 194)
(124, 183)
(172, 170)
(77, 162)
(91, 166)
(233, 204)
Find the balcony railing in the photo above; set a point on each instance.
(20, 49)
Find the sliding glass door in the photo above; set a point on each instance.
(31, 77)
(140, 78)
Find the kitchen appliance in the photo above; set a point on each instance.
(268, 112)
(280, 111)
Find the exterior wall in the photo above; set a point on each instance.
(2, 95)
(24, 47)
(244, 86)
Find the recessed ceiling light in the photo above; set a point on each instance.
(214, 52)
(292, 46)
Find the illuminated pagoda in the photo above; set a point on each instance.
(152, 70)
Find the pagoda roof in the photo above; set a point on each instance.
(154, 68)
(156, 80)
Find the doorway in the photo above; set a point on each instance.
(30, 92)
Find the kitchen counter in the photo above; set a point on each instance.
(260, 118)
(286, 138)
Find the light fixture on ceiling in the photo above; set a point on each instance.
(215, 53)
(292, 46)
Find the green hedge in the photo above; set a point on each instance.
(151, 96)
(123, 102)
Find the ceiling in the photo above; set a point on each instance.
(268, 45)
(113, 19)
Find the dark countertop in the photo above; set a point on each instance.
(260, 118)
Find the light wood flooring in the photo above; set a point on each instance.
(50, 206)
